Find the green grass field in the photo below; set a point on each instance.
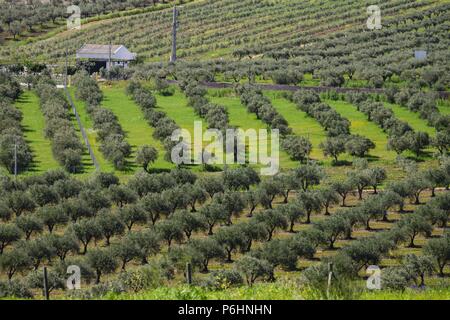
(176, 108)
(88, 164)
(360, 125)
(283, 289)
(86, 121)
(444, 106)
(412, 118)
(33, 124)
(138, 131)
(301, 123)
(239, 117)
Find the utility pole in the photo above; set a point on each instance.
(110, 55)
(65, 68)
(173, 57)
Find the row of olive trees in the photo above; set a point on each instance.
(36, 14)
(13, 147)
(215, 115)
(66, 145)
(337, 127)
(180, 190)
(401, 135)
(113, 143)
(164, 126)
(299, 148)
(425, 104)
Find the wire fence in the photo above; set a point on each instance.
(82, 130)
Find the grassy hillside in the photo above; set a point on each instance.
(212, 29)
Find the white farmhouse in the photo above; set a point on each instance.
(106, 56)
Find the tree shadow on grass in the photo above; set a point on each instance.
(158, 170)
(342, 163)
(372, 158)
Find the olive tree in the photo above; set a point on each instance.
(252, 269)
(333, 147)
(203, 250)
(343, 188)
(439, 250)
(145, 156)
(9, 233)
(272, 220)
(329, 197)
(14, 261)
(298, 148)
(293, 213)
(85, 230)
(332, 228)
(109, 225)
(29, 224)
(230, 238)
(418, 267)
(102, 261)
(311, 202)
(190, 222)
(132, 214)
(146, 243)
(170, 230)
(414, 225)
(212, 214)
(308, 175)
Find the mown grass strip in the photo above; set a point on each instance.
(88, 165)
(444, 106)
(300, 122)
(138, 131)
(412, 118)
(105, 165)
(33, 127)
(176, 108)
(239, 117)
(360, 125)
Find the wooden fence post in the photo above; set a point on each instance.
(189, 273)
(330, 276)
(46, 292)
